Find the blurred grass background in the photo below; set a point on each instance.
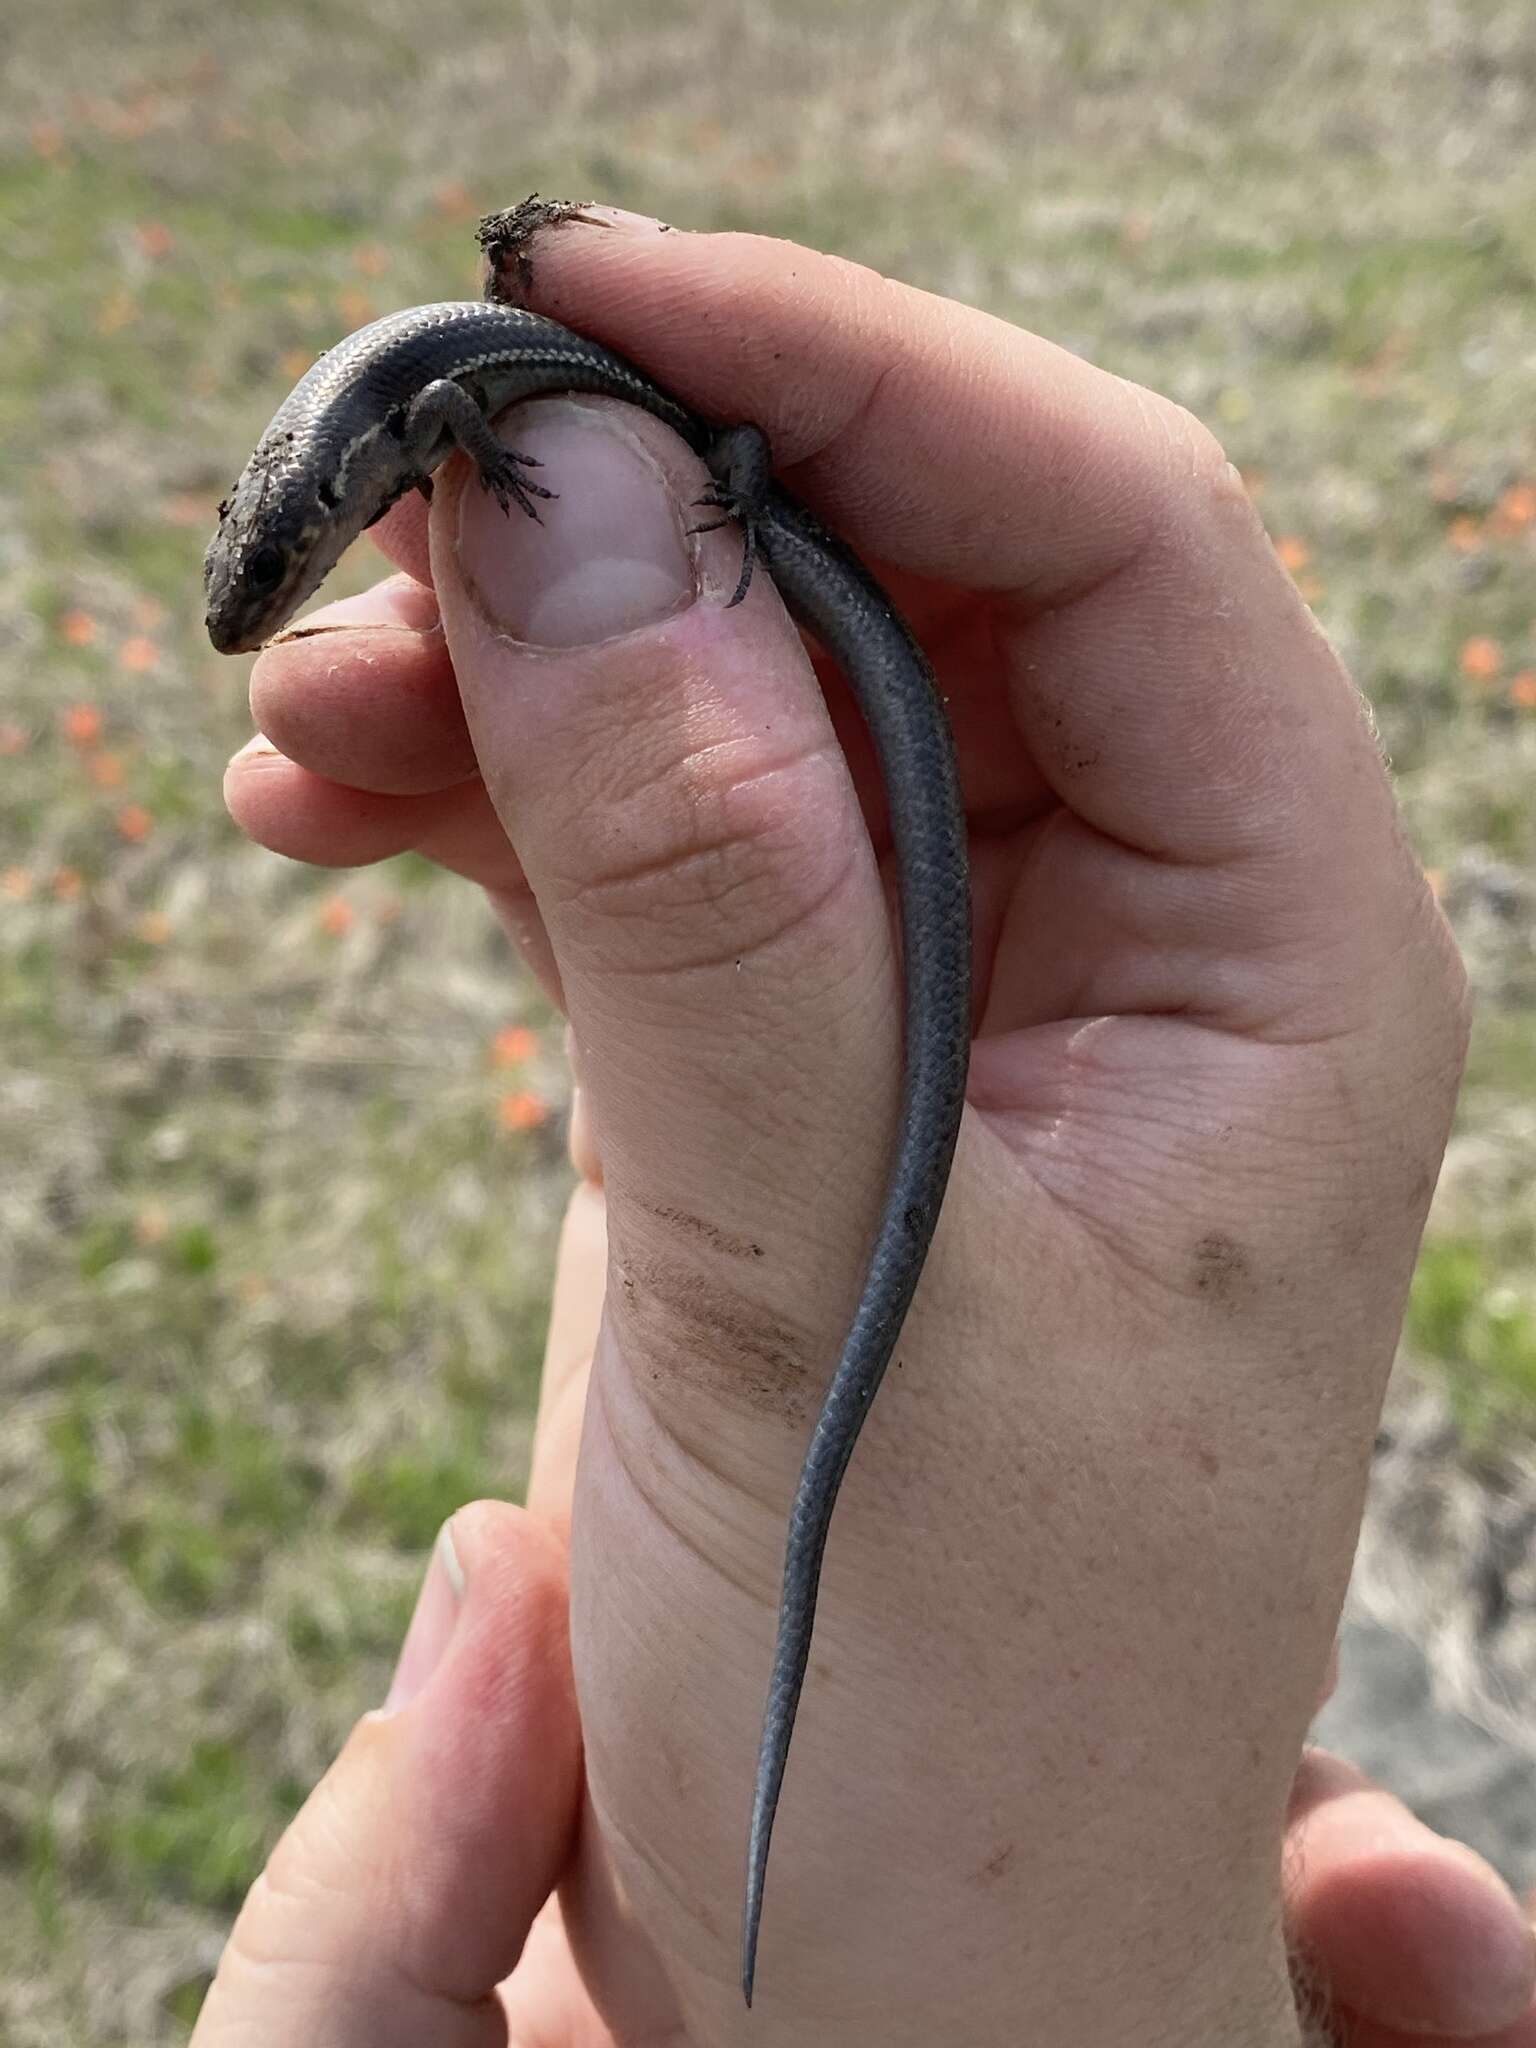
(282, 1153)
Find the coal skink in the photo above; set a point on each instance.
(371, 421)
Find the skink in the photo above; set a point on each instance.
(370, 421)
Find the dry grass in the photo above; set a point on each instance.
(273, 1266)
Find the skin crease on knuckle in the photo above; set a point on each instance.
(718, 883)
(692, 807)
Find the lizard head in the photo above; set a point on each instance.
(279, 538)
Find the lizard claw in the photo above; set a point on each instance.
(503, 478)
(719, 497)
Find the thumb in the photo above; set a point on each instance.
(667, 771)
(404, 1890)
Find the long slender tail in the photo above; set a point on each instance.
(900, 1248)
(810, 1519)
(829, 589)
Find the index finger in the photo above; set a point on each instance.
(1169, 682)
(910, 421)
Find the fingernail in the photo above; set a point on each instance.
(1330, 1684)
(621, 217)
(257, 744)
(397, 601)
(609, 554)
(584, 1154)
(586, 1159)
(432, 1624)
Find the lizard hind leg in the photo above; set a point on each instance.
(741, 466)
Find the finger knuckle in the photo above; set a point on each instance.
(698, 862)
(1191, 461)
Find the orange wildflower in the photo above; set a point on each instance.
(356, 307)
(82, 725)
(13, 740)
(67, 884)
(454, 201)
(1516, 509)
(523, 1111)
(138, 655)
(1293, 552)
(1522, 689)
(151, 1226)
(106, 771)
(77, 628)
(1481, 659)
(1465, 535)
(129, 119)
(154, 927)
(294, 362)
(187, 508)
(336, 917)
(155, 239)
(372, 259)
(16, 883)
(134, 823)
(510, 1048)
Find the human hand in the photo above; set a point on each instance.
(1218, 1037)
(412, 1902)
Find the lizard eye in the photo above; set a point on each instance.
(265, 570)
